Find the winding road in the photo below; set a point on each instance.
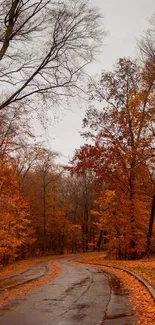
(79, 295)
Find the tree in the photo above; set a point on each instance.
(44, 48)
(83, 199)
(147, 42)
(123, 145)
(152, 215)
(42, 176)
(16, 232)
(110, 222)
(15, 131)
(54, 211)
(147, 50)
(86, 180)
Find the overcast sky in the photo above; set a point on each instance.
(126, 21)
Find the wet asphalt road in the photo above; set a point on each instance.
(79, 295)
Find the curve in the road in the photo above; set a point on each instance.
(80, 295)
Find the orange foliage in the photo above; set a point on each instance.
(121, 156)
(15, 227)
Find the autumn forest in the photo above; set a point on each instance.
(104, 199)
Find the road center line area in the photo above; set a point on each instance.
(79, 295)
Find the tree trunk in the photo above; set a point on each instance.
(149, 235)
(132, 241)
(5, 259)
(62, 245)
(98, 245)
(44, 216)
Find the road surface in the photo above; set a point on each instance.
(79, 295)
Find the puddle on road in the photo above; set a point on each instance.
(119, 312)
(118, 316)
(116, 286)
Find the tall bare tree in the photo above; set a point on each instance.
(44, 46)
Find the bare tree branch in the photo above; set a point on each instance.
(45, 46)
